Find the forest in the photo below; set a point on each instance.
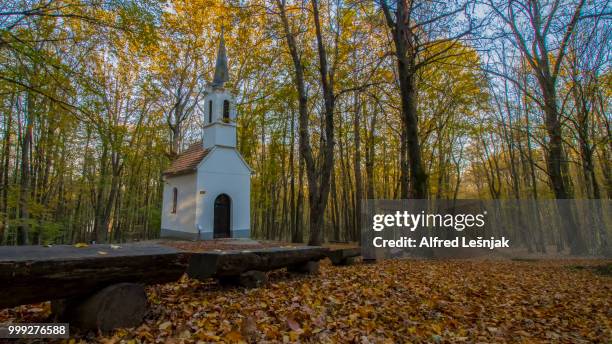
(338, 101)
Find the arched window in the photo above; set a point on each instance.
(174, 199)
(226, 109)
(210, 111)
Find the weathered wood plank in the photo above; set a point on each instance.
(310, 267)
(67, 252)
(233, 263)
(340, 256)
(31, 274)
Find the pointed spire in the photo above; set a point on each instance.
(221, 72)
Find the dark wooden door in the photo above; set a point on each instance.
(222, 217)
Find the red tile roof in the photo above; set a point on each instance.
(187, 161)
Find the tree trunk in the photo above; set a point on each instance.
(98, 233)
(4, 177)
(404, 172)
(555, 164)
(24, 190)
(540, 243)
(319, 200)
(335, 217)
(406, 52)
(418, 176)
(299, 207)
(357, 170)
(369, 163)
(292, 205)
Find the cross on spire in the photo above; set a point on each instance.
(221, 72)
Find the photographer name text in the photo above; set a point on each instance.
(435, 242)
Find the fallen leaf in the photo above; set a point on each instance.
(166, 325)
(234, 336)
(293, 325)
(248, 328)
(293, 336)
(208, 336)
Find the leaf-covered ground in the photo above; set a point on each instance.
(392, 301)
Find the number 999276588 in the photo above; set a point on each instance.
(35, 330)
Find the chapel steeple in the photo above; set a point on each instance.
(219, 105)
(221, 72)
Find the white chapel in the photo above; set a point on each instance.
(207, 188)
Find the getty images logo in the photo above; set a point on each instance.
(413, 221)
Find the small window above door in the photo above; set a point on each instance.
(226, 110)
(210, 109)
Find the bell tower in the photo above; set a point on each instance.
(219, 106)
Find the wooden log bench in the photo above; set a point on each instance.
(101, 288)
(248, 267)
(94, 287)
(344, 256)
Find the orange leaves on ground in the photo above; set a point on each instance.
(396, 301)
(389, 302)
